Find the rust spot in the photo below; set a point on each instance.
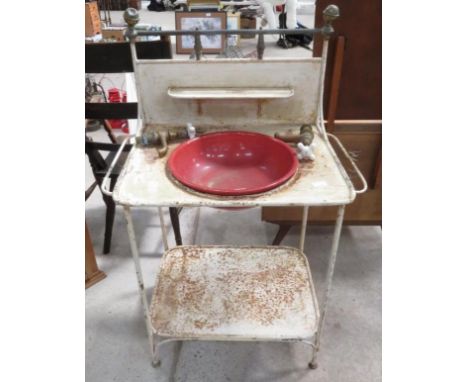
(204, 291)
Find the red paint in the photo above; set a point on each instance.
(114, 96)
(233, 163)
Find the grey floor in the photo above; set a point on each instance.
(116, 344)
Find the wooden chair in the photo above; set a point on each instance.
(116, 58)
(100, 165)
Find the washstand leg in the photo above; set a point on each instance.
(328, 283)
(163, 228)
(141, 284)
(156, 361)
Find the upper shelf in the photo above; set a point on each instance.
(229, 93)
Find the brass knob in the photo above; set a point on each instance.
(330, 13)
(131, 17)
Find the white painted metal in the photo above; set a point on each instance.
(144, 181)
(328, 280)
(319, 119)
(230, 93)
(141, 284)
(305, 213)
(157, 77)
(133, 124)
(235, 293)
(163, 228)
(195, 283)
(351, 160)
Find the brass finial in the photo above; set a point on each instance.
(330, 13)
(131, 17)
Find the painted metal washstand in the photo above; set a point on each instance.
(233, 293)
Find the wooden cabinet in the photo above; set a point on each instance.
(360, 86)
(353, 109)
(363, 141)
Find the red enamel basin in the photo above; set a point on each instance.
(233, 163)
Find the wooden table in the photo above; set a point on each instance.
(92, 273)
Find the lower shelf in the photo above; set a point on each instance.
(235, 293)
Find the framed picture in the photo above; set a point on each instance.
(233, 22)
(202, 21)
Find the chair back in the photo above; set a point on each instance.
(116, 58)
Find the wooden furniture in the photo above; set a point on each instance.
(360, 86)
(363, 140)
(100, 165)
(134, 4)
(121, 5)
(114, 33)
(92, 273)
(92, 19)
(116, 58)
(353, 110)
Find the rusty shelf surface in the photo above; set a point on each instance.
(235, 293)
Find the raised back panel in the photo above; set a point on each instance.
(258, 92)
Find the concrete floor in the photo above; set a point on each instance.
(116, 344)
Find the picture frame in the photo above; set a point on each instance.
(212, 44)
(233, 22)
(203, 5)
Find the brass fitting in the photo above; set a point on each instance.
(305, 135)
(153, 138)
(156, 138)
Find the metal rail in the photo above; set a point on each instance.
(351, 160)
(330, 13)
(230, 31)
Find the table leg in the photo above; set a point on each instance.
(92, 273)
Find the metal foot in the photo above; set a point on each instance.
(156, 363)
(313, 365)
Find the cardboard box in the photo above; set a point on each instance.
(92, 19)
(114, 33)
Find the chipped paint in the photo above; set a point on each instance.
(144, 181)
(241, 292)
(157, 80)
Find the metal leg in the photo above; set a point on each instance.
(141, 285)
(156, 361)
(328, 282)
(305, 213)
(163, 228)
(195, 226)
